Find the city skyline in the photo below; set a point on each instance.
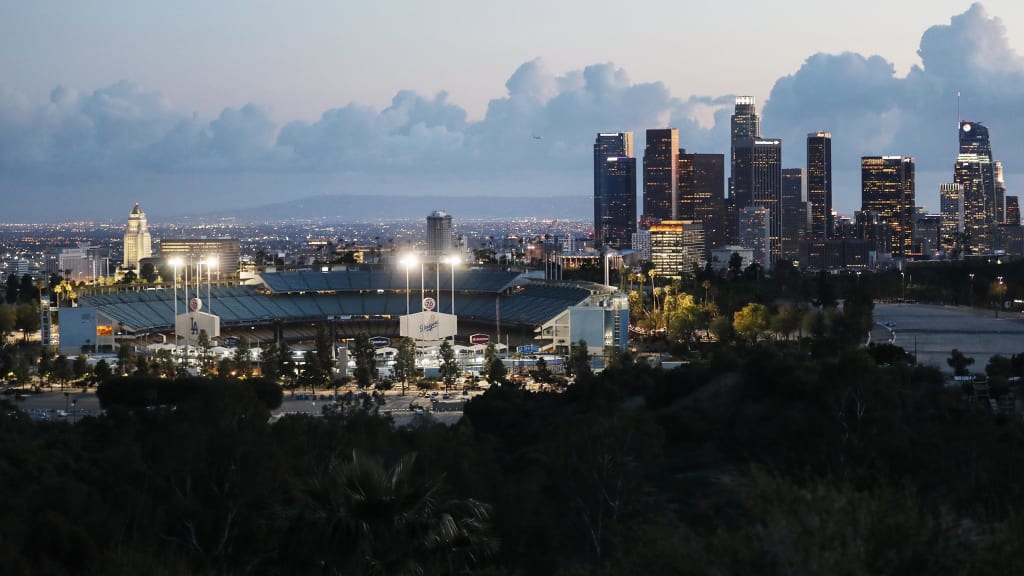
(83, 143)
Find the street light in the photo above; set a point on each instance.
(903, 287)
(999, 294)
(970, 295)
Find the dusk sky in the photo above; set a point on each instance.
(187, 106)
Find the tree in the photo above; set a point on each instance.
(148, 272)
(101, 373)
(62, 370)
(27, 290)
(785, 321)
(204, 344)
(405, 361)
(959, 362)
(448, 364)
(365, 518)
(27, 319)
(125, 356)
(579, 360)
(721, 327)
(494, 368)
(751, 321)
(242, 357)
(542, 373)
(270, 362)
(8, 320)
(81, 366)
(735, 265)
(366, 360)
(45, 367)
(12, 289)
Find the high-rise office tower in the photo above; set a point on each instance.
(745, 127)
(819, 184)
(951, 209)
(700, 197)
(795, 213)
(754, 231)
(137, 241)
(767, 190)
(1000, 189)
(887, 189)
(677, 248)
(614, 189)
(439, 233)
(661, 171)
(1013, 210)
(972, 173)
(975, 173)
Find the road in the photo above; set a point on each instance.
(933, 331)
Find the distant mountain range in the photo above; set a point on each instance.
(349, 208)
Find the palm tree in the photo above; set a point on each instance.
(368, 519)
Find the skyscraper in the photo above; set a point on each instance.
(794, 212)
(767, 190)
(700, 197)
(745, 128)
(951, 209)
(614, 189)
(754, 231)
(439, 233)
(887, 189)
(661, 158)
(975, 173)
(677, 248)
(1000, 190)
(1013, 210)
(819, 184)
(137, 241)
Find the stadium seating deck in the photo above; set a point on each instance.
(299, 296)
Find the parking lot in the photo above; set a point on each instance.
(933, 331)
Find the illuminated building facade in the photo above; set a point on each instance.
(794, 212)
(887, 189)
(975, 173)
(700, 197)
(767, 190)
(661, 172)
(614, 190)
(819, 184)
(439, 234)
(745, 127)
(137, 241)
(951, 210)
(193, 250)
(677, 248)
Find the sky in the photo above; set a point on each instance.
(189, 106)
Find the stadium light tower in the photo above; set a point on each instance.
(409, 260)
(211, 263)
(453, 260)
(175, 264)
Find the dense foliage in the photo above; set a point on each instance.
(769, 457)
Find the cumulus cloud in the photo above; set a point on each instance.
(871, 111)
(537, 136)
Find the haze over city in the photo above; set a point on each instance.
(194, 108)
